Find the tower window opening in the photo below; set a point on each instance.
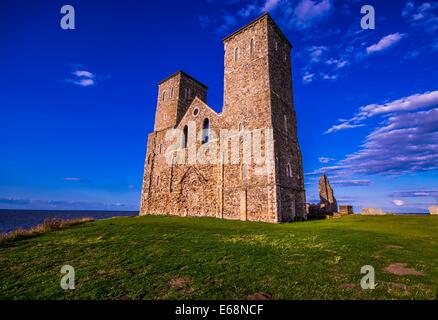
(171, 93)
(187, 93)
(164, 95)
(236, 54)
(185, 137)
(289, 170)
(205, 130)
(251, 46)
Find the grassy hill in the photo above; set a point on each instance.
(203, 258)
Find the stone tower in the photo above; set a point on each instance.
(175, 94)
(257, 99)
(258, 93)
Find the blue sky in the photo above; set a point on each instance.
(76, 105)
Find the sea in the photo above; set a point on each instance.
(15, 219)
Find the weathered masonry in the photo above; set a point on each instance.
(257, 98)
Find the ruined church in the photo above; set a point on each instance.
(258, 103)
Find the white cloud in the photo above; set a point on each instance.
(398, 203)
(84, 82)
(385, 43)
(83, 78)
(83, 73)
(413, 102)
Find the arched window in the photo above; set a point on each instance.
(158, 181)
(244, 172)
(164, 95)
(171, 93)
(185, 136)
(276, 45)
(251, 46)
(289, 170)
(205, 130)
(236, 54)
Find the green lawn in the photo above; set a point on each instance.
(204, 258)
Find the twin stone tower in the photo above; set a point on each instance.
(243, 163)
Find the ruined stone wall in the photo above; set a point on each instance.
(257, 95)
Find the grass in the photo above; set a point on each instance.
(47, 226)
(203, 258)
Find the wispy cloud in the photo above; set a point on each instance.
(307, 12)
(423, 17)
(343, 126)
(269, 5)
(406, 143)
(83, 78)
(409, 103)
(12, 201)
(325, 160)
(385, 43)
(351, 183)
(62, 204)
(83, 74)
(228, 21)
(308, 77)
(416, 194)
(74, 179)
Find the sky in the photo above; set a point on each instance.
(76, 106)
